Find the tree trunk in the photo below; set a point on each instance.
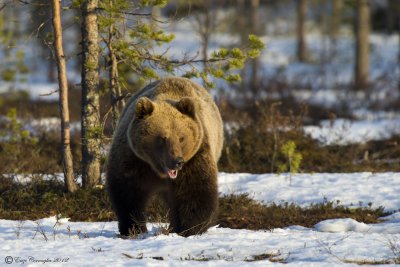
(398, 33)
(91, 126)
(334, 27)
(63, 101)
(115, 90)
(337, 6)
(392, 16)
(206, 33)
(301, 18)
(241, 23)
(362, 44)
(255, 64)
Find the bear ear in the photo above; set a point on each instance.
(144, 107)
(187, 106)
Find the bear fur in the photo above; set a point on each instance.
(168, 140)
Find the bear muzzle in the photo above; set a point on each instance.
(176, 166)
(172, 174)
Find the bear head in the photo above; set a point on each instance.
(165, 133)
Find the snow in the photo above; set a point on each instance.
(342, 225)
(350, 225)
(393, 216)
(37, 91)
(343, 132)
(375, 126)
(330, 243)
(50, 124)
(304, 189)
(96, 244)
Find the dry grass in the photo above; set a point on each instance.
(368, 262)
(256, 135)
(44, 198)
(241, 212)
(39, 199)
(272, 257)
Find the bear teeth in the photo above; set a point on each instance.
(172, 174)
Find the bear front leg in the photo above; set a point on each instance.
(131, 221)
(194, 198)
(129, 206)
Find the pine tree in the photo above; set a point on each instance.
(63, 98)
(91, 129)
(135, 42)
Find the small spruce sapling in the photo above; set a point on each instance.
(292, 157)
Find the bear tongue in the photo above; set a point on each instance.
(172, 174)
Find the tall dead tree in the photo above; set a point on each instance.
(300, 29)
(362, 29)
(91, 130)
(63, 101)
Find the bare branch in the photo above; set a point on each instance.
(50, 93)
(127, 13)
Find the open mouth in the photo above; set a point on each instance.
(172, 173)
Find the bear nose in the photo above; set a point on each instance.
(179, 163)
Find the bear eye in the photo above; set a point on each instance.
(181, 139)
(161, 140)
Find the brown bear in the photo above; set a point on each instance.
(168, 140)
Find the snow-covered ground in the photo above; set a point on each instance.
(329, 243)
(343, 132)
(350, 189)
